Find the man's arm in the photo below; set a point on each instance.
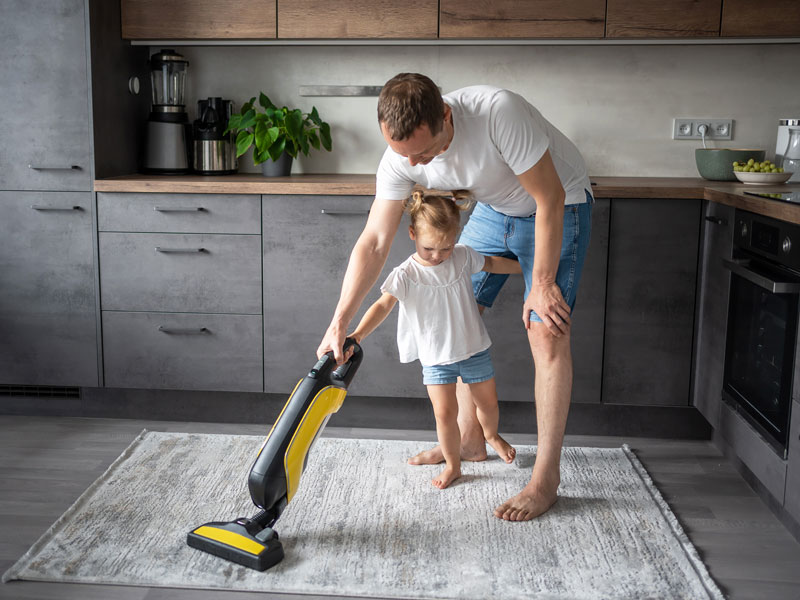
(541, 181)
(366, 261)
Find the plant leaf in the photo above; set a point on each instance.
(243, 142)
(325, 136)
(264, 101)
(262, 138)
(273, 132)
(313, 138)
(314, 116)
(294, 124)
(248, 119)
(277, 149)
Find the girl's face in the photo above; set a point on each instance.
(433, 246)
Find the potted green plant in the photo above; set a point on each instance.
(277, 134)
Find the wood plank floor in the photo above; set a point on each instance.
(47, 462)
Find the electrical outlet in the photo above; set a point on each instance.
(689, 129)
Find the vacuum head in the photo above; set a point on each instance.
(242, 541)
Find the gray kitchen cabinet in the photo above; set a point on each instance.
(792, 496)
(48, 330)
(182, 351)
(181, 292)
(650, 301)
(712, 310)
(510, 348)
(307, 244)
(45, 95)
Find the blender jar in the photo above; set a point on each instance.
(791, 157)
(168, 78)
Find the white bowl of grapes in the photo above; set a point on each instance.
(760, 173)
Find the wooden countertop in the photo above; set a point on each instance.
(730, 193)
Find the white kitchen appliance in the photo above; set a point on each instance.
(783, 137)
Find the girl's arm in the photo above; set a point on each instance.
(374, 316)
(498, 264)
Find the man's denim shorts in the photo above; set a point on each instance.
(491, 232)
(474, 369)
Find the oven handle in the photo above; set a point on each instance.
(743, 269)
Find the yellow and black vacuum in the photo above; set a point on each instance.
(275, 475)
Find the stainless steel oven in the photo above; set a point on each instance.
(762, 323)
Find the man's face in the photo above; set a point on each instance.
(421, 147)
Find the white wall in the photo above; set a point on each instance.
(615, 102)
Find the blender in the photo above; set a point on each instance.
(168, 130)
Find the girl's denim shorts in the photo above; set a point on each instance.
(491, 232)
(474, 369)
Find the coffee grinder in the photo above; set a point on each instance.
(167, 139)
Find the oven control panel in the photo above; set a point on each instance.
(775, 240)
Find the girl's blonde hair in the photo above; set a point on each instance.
(437, 211)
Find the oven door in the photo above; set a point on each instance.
(761, 338)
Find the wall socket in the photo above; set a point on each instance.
(689, 129)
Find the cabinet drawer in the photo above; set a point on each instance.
(183, 351)
(180, 273)
(179, 213)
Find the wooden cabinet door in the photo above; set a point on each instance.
(358, 19)
(45, 97)
(522, 18)
(743, 18)
(48, 323)
(652, 272)
(712, 311)
(197, 19)
(659, 19)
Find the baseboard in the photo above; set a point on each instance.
(358, 411)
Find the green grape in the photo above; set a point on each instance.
(750, 162)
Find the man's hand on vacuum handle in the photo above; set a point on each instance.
(366, 261)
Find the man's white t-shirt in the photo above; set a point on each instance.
(439, 322)
(497, 136)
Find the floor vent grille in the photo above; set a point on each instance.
(40, 391)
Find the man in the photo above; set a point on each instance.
(534, 205)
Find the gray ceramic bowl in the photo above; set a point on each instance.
(716, 164)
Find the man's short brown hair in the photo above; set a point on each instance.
(407, 101)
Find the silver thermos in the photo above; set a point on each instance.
(214, 150)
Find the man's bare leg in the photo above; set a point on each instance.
(473, 446)
(552, 357)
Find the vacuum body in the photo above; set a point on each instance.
(275, 475)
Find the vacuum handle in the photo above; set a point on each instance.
(342, 375)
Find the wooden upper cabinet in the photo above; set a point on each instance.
(661, 19)
(358, 19)
(522, 18)
(198, 19)
(767, 18)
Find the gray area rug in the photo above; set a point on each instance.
(366, 524)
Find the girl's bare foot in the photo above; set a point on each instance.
(446, 477)
(504, 450)
(471, 451)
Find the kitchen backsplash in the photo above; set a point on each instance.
(616, 102)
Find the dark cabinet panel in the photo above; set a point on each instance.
(45, 97)
(768, 18)
(522, 19)
(658, 19)
(357, 19)
(652, 271)
(712, 310)
(48, 330)
(792, 498)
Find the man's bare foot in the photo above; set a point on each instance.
(504, 450)
(530, 503)
(446, 477)
(434, 456)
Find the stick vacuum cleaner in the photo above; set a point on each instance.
(275, 475)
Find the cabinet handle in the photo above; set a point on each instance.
(42, 207)
(180, 250)
(55, 168)
(717, 220)
(335, 211)
(178, 208)
(183, 331)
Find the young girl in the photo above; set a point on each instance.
(439, 322)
